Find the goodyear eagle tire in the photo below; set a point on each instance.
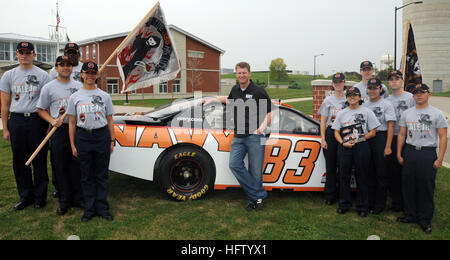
(186, 173)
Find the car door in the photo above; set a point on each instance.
(294, 158)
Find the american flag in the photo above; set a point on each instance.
(57, 20)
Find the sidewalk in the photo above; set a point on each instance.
(442, 103)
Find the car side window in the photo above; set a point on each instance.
(287, 121)
(215, 116)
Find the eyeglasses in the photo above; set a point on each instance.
(351, 95)
(22, 52)
(91, 72)
(72, 52)
(65, 65)
(417, 92)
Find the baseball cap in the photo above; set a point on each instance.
(25, 46)
(374, 82)
(63, 59)
(89, 66)
(338, 77)
(72, 46)
(395, 73)
(421, 88)
(366, 64)
(353, 90)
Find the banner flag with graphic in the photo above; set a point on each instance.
(410, 65)
(149, 56)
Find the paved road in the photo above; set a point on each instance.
(443, 103)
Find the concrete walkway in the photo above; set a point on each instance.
(443, 103)
(296, 100)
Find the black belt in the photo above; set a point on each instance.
(92, 130)
(421, 148)
(24, 115)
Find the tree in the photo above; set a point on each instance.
(278, 69)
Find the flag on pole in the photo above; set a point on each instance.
(57, 20)
(149, 56)
(410, 62)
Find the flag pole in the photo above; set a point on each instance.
(57, 29)
(405, 48)
(144, 20)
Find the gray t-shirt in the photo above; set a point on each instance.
(363, 88)
(401, 103)
(383, 110)
(330, 107)
(76, 73)
(90, 107)
(361, 115)
(55, 95)
(422, 126)
(24, 86)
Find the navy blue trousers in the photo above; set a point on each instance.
(26, 134)
(378, 176)
(331, 159)
(419, 179)
(94, 153)
(67, 169)
(395, 178)
(359, 156)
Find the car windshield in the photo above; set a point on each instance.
(171, 108)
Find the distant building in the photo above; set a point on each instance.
(386, 62)
(431, 25)
(200, 64)
(45, 50)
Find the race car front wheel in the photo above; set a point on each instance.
(186, 173)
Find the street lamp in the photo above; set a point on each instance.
(315, 57)
(395, 36)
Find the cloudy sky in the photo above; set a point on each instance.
(257, 31)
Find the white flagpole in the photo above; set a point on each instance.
(57, 31)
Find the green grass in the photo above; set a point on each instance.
(143, 103)
(304, 81)
(142, 211)
(304, 106)
(273, 93)
(443, 94)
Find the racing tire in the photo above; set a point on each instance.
(186, 173)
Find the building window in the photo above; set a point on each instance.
(164, 87)
(113, 86)
(176, 86)
(14, 47)
(87, 53)
(5, 52)
(94, 51)
(196, 54)
(81, 53)
(46, 53)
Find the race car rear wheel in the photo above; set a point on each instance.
(187, 173)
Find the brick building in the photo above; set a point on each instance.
(200, 65)
(321, 90)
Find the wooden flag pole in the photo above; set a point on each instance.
(405, 48)
(144, 20)
(43, 143)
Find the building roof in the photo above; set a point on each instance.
(39, 64)
(20, 37)
(173, 27)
